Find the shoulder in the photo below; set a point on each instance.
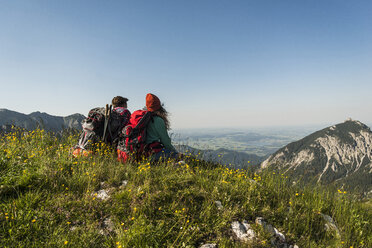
(158, 120)
(122, 110)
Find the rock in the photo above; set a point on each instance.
(331, 225)
(107, 227)
(278, 238)
(219, 205)
(243, 231)
(123, 184)
(267, 227)
(102, 194)
(249, 229)
(103, 185)
(209, 246)
(279, 235)
(108, 224)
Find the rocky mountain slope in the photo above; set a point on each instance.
(38, 119)
(340, 154)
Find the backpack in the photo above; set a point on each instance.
(133, 146)
(102, 125)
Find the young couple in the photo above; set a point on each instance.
(157, 142)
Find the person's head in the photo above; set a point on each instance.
(152, 102)
(119, 101)
(154, 105)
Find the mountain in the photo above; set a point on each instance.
(8, 117)
(339, 155)
(38, 119)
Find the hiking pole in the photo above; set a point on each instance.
(108, 125)
(106, 122)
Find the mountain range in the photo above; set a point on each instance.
(39, 120)
(340, 155)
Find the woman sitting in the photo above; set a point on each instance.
(157, 129)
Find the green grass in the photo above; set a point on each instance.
(47, 200)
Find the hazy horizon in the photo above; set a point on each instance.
(273, 128)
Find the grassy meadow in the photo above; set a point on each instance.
(50, 199)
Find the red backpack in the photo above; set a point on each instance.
(133, 146)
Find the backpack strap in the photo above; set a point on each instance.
(144, 121)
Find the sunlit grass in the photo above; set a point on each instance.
(48, 198)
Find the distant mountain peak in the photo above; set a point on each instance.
(38, 113)
(356, 122)
(39, 119)
(341, 153)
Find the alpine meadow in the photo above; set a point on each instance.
(51, 199)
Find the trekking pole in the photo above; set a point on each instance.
(106, 122)
(109, 126)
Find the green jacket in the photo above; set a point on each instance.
(156, 131)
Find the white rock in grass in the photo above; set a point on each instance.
(124, 183)
(102, 194)
(279, 235)
(107, 227)
(219, 205)
(267, 227)
(243, 231)
(209, 246)
(249, 229)
(331, 225)
(108, 224)
(270, 229)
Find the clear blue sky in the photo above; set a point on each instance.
(213, 63)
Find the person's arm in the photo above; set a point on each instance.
(163, 134)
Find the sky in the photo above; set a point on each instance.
(248, 63)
